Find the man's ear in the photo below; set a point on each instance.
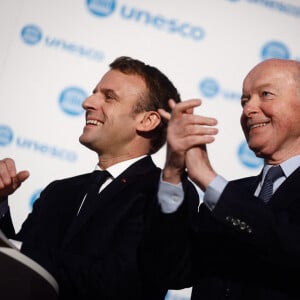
(149, 121)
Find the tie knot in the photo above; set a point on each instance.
(274, 173)
(99, 177)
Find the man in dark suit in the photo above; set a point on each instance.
(238, 244)
(92, 251)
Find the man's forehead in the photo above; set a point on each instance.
(116, 76)
(266, 77)
(120, 83)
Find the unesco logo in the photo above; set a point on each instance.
(31, 34)
(6, 135)
(104, 8)
(7, 138)
(280, 6)
(248, 158)
(101, 8)
(210, 88)
(70, 101)
(275, 49)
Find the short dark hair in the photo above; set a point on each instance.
(160, 90)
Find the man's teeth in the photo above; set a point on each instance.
(93, 122)
(258, 125)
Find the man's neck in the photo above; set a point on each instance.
(108, 161)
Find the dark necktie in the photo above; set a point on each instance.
(96, 180)
(267, 189)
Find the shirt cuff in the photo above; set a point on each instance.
(214, 191)
(170, 196)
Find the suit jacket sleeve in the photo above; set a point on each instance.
(100, 257)
(167, 243)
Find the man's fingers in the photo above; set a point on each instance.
(10, 179)
(22, 176)
(172, 103)
(7, 168)
(166, 115)
(185, 107)
(199, 129)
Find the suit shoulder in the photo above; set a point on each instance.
(245, 180)
(72, 180)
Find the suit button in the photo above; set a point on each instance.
(227, 292)
(235, 222)
(243, 225)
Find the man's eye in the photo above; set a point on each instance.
(244, 101)
(109, 96)
(265, 93)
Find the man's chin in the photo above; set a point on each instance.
(81, 140)
(259, 152)
(84, 142)
(255, 149)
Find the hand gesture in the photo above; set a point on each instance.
(10, 179)
(185, 131)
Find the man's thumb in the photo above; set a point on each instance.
(22, 176)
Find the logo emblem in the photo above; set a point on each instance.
(209, 87)
(31, 34)
(6, 135)
(70, 101)
(275, 49)
(101, 8)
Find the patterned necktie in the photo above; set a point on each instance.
(267, 189)
(96, 180)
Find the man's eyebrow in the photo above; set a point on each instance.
(105, 91)
(109, 91)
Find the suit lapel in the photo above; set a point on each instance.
(124, 180)
(248, 184)
(112, 192)
(288, 192)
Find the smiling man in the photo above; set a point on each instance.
(243, 241)
(90, 244)
(271, 110)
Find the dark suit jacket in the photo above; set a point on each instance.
(96, 258)
(244, 249)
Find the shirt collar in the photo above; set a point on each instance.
(288, 166)
(116, 169)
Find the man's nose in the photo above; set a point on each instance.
(251, 107)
